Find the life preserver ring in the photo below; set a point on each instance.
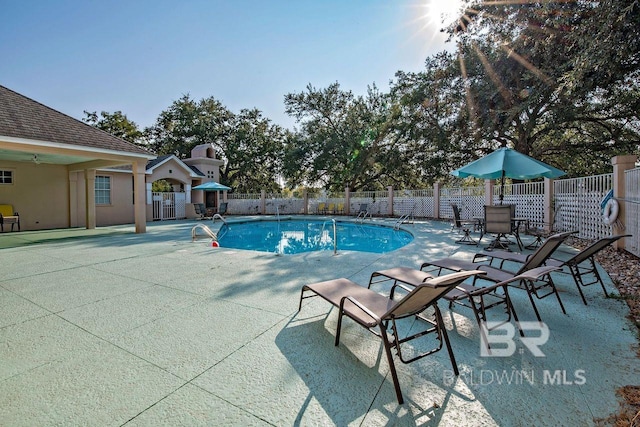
(610, 214)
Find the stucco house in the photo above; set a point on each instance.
(58, 172)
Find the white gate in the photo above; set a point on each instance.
(169, 206)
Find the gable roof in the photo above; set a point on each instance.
(22, 117)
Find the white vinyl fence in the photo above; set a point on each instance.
(576, 204)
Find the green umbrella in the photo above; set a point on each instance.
(505, 162)
(211, 186)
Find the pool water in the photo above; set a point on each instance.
(297, 236)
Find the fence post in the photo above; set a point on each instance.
(390, 197)
(263, 202)
(347, 201)
(621, 164)
(436, 200)
(488, 192)
(548, 215)
(305, 198)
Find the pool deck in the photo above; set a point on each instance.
(107, 327)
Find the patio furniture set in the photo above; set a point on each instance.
(416, 292)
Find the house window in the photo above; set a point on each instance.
(6, 177)
(103, 190)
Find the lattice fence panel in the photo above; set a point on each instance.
(419, 203)
(577, 205)
(470, 201)
(377, 202)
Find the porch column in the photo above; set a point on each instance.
(90, 198)
(305, 198)
(621, 164)
(436, 200)
(263, 202)
(390, 208)
(140, 193)
(73, 199)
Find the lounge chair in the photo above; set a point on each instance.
(375, 311)
(340, 208)
(583, 264)
(478, 298)
(463, 226)
(579, 266)
(497, 275)
(331, 208)
(321, 208)
(8, 216)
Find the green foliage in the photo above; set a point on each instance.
(117, 124)
(248, 143)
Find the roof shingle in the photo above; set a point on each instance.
(22, 117)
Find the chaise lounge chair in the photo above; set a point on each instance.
(497, 275)
(375, 311)
(580, 266)
(478, 298)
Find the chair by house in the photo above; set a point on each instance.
(381, 314)
(463, 226)
(539, 288)
(8, 216)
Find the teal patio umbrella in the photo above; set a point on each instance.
(211, 186)
(507, 163)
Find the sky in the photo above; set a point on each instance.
(139, 56)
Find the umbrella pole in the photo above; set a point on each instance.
(502, 188)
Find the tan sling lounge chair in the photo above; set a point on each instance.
(580, 265)
(533, 287)
(375, 311)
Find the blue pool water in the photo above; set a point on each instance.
(297, 236)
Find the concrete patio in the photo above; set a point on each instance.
(107, 327)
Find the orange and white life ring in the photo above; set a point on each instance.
(610, 214)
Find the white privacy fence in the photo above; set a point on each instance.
(575, 204)
(632, 210)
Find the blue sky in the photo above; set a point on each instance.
(140, 56)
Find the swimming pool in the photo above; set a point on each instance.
(292, 236)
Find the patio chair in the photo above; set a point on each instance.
(8, 216)
(374, 311)
(222, 209)
(321, 208)
(498, 221)
(331, 208)
(363, 212)
(582, 264)
(463, 226)
(201, 211)
(340, 208)
(534, 288)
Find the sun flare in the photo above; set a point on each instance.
(443, 12)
